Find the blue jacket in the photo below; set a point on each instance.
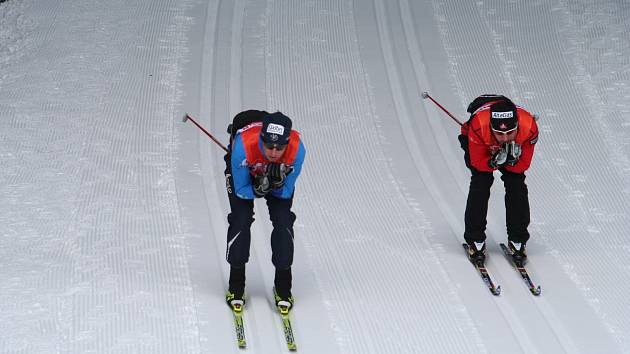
(243, 170)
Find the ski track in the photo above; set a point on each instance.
(514, 62)
(383, 18)
(87, 276)
(225, 89)
(398, 94)
(326, 62)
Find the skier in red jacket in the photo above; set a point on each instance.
(498, 136)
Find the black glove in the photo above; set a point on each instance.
(277, 174)
(513, 153)
(499, 158)
(261, 184)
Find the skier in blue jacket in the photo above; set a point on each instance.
(264, 161)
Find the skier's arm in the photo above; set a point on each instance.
(240, 171)
(288, 188)
(479, 153)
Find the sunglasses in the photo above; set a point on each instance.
(504, 132)
(272, 146)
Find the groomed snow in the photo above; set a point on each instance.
(113, 211)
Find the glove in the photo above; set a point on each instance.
(513, 153)
(261, 184)
(277, 174)
(499, 158)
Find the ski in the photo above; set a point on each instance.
(287, 328)
(239, 327)
(520, 268)
(495, 290)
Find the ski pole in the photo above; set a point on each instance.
(426, 95)
(187, 117)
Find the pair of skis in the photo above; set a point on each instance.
(519, 266)
(239, 327)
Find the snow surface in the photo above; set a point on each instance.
(113, 211)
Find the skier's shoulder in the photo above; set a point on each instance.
(301, 153)
(524, 114)
(238, 147)
(527, 123)
(479, 119)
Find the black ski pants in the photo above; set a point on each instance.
(517, 216)
(241, 218)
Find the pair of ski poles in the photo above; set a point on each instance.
(425, 95)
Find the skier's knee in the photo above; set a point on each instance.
(283, 220)
(481, 180)
(240, 220)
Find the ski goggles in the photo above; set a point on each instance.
(273, 146)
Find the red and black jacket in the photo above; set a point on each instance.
(482, 144)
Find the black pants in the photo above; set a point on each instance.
(241, 218)
(516, 202)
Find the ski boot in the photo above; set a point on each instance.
(284, 302)
(236, 291)
(235, 301)
(519, 254)
(477, 252)
(282, 290)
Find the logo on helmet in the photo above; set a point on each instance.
(275, 129)
(502, 115)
